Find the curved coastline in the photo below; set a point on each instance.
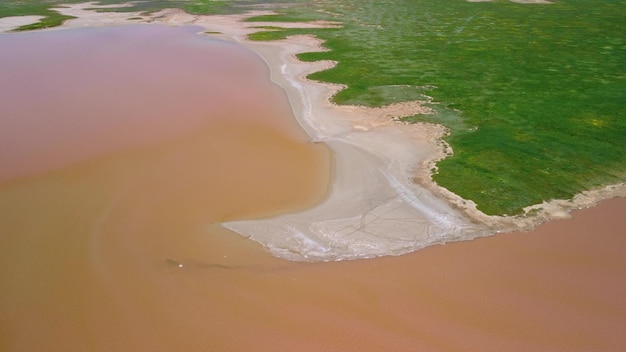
(382, 200)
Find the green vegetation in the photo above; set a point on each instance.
(54, 19)
(292, 16)
(534, 94)
(275, 33)
(203, 6)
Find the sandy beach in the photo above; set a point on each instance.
(157, 273)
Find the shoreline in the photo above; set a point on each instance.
(382, 200)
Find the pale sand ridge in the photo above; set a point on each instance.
(10, 23)
(382, 200)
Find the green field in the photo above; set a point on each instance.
(535, 95)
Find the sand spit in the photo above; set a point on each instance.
(382, 200)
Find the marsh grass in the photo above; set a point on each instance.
(534, 94)
(53, 19)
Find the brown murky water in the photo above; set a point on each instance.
(120, 149)
(91, 240)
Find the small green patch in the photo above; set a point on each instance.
(284, 17)
(53, 20)
(201, 7)
(276, 33)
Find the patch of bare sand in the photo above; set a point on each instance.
(8, 24)
(382, 200)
